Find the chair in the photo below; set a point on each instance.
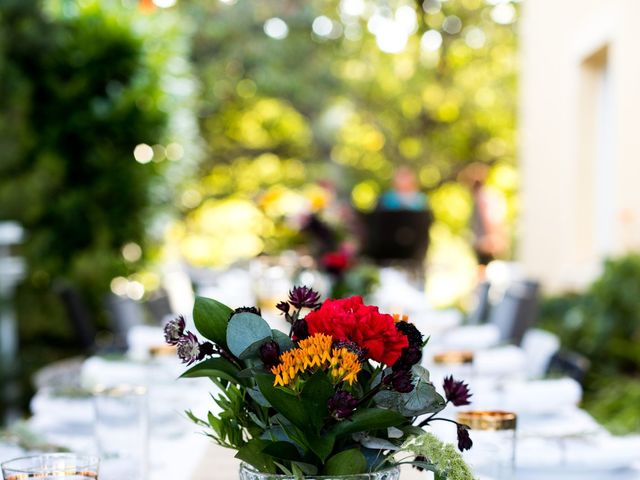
(396, 234)
(123, 314)
(78, 314)
(570, 364)
(517, 311)
(482, 305)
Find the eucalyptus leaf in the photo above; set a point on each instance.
(246, 331)
(284, 342)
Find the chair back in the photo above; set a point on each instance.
(396, 234)
(517, 311)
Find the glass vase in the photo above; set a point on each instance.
(247, 472)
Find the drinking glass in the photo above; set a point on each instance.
(494, 443)
(122, 431)
(53, 466)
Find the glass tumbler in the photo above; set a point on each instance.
(53, 466)
(492, 456)
(122, 431)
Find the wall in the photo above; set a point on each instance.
(579, 137)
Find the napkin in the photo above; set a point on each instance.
(471, 337)
(539, 346)
(499, 362)
(541, 396)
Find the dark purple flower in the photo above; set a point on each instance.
(408, 358)
(400, 381)
(342, 405)
(304, 296)
(299, 330)
(269, 353)
(283, 307)
(254, 310)
(189, 348)
(464, 440)
(456, 391)
(174, 330)
(413, 334)
(353, 348)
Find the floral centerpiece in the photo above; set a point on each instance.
(341, 393)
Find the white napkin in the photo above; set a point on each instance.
(539, 346)
(499, 362)
(471, 337)
(541, 396)
(569, 422)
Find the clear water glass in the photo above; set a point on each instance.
(53, 466)
(122, 431)
(492, 456)
(247, 472)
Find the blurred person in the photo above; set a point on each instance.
(405, 194)
(487, 218)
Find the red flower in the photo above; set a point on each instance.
(351, 320)
(335, 262)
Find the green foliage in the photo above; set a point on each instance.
(77, 96)
(446, 460)
(604, 325)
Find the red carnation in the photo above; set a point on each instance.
(351, 320)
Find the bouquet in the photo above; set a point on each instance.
(342, 392)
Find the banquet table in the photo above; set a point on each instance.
(556, 439)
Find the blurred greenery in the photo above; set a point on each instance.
(603, 324)
(323, 99)
(80, 89)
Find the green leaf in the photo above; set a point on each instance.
(283, 450)
(284, 342)
(421, 400)
(289, 406)
(347, 462)
(252, 453)
(369, 419)
(211, 318)
(214, 367)
(316, 392)
(245, 334)
(321, 445)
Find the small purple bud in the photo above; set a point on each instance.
(270, 353)
(409, 357)
(400, 381)
(283, 307)
(342, 405)
(299, 330)
(464, 440)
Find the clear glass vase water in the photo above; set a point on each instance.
(247, 472)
